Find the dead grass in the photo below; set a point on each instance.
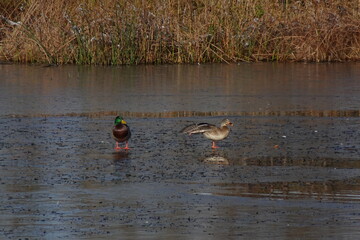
(179, 31)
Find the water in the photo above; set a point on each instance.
(226, 88)
(289, 169)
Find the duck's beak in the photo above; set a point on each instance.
(123, 121)
(231, 124)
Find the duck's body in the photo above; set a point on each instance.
(121, 132)
(210, 131)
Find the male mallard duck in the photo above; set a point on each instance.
(210, 131)
(121, 132)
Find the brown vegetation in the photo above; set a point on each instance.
(178, 31)
(176, 114)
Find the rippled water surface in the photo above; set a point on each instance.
(289, 169)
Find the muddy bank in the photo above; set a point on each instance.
(61, 178)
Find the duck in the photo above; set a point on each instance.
(121, 133)
(210, 131)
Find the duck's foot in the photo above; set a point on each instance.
(126, 146)
(117, 147)
(214, 146)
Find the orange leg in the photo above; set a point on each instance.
(117, 147)
(213, 145)
(127, 146)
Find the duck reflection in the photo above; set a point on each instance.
(121, 164)
(216, 160)
(120, 156)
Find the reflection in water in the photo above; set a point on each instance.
(61, 179)
(119, 156)
(297, 161)
(284, 161)
(338, 190)
(216, 160)
(263, 88)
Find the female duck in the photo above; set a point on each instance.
(210, 131)
(121, 132)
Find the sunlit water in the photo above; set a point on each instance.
(289, 169)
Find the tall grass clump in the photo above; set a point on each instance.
(178, 31)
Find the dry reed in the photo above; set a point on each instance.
(177, 114)
(178, 31)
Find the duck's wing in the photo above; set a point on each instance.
(198, 128)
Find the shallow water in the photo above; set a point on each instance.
(274, 177)
(205, 88)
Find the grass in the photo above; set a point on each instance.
(112, 32)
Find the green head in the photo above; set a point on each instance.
(118, 120)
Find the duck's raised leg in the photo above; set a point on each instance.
(213, 145)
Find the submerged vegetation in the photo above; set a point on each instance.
(178, 31)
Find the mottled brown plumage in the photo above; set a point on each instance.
(210, 131)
